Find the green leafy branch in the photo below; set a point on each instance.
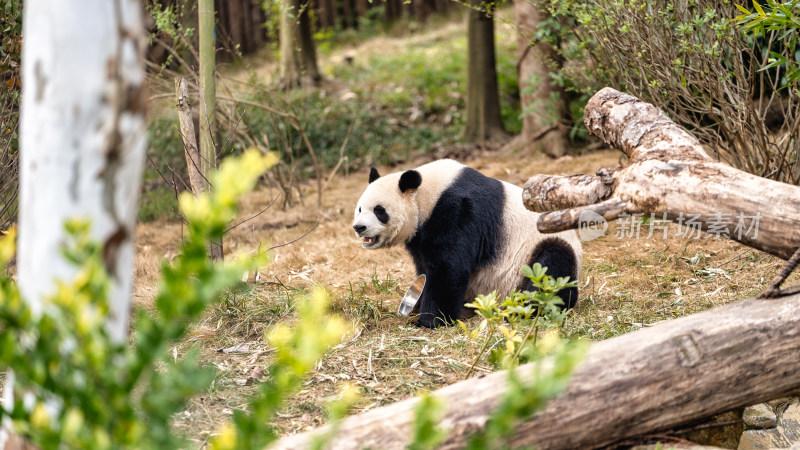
(778, 17)
(519, 310)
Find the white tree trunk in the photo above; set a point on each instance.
(82, 140)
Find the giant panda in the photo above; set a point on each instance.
(468, 233)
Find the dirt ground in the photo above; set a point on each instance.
(625, 284)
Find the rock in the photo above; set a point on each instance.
(789, 423)
(762, 439)
(785, 435)
(779, 405)
(760, 416)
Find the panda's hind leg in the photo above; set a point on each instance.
(559, 258)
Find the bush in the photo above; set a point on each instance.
(690, 59)
(518, 318)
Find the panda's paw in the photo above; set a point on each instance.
(426, 322)
(430, 321)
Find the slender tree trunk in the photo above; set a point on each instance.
(362, 8)
(207, 86)
(324, 13)
(258, 35)
(298, 56)
(421, 10)
(348, 21)
(208, 96)
(82, 140)
(544, 104)
(483, 100)
(236, 23)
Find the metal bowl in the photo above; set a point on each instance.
(412, 296)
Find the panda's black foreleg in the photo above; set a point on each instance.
(443, 297)
(560, 260)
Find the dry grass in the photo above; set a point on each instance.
(626, 284)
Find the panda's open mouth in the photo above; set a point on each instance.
(369, 241)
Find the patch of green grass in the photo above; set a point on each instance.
(158, 203)
(377, 133)
(365, 301)
(431, 76)
(245, 311)
(602, 267)
(165, 149)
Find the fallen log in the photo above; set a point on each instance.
(669, 175)
(652, 379)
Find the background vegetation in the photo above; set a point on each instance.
(732, 86)
(10, 86)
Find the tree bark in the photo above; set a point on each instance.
(390, 11)
(258, 35)
(650, 380)
(298, 63)
(544, 103)
(483, 99)
(193, 160)
(208, 94)
(82, 141)
(669, 175)
(208, 101)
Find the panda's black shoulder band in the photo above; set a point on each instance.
(410, 179)
(373, 174)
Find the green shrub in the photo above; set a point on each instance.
(511, 326)
(158, 203)
(778, 17)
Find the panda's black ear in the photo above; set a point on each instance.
(373, 174)
(410, 179)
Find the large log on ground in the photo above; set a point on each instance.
(649, 380)
(668, 175)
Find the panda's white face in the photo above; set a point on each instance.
(384, 216)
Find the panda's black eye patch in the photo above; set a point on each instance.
(381, 214)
